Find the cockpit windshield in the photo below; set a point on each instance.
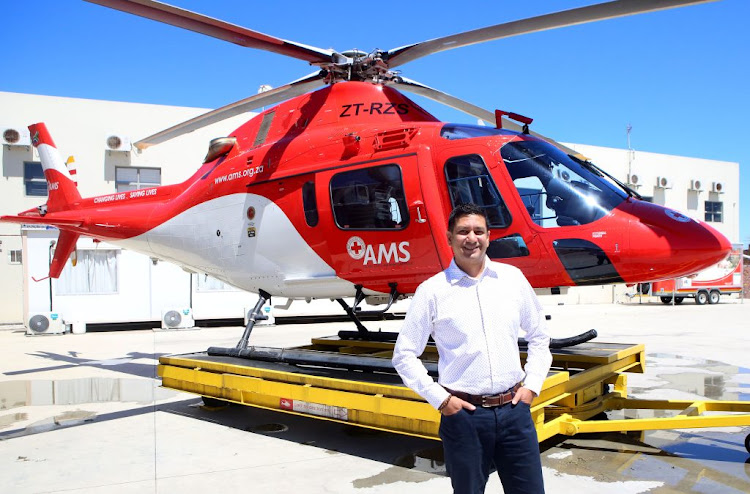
(556, 189)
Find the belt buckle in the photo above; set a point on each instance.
(484, 402)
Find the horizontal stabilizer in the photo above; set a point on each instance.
(41, 220)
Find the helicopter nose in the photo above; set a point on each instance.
(667, 244)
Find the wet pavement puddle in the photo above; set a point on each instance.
(67, 393)
(710, 460)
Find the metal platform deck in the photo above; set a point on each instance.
(585, 381)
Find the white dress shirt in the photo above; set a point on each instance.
(475, 323)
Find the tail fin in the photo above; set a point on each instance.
(63, 193)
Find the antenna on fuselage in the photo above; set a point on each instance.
(263, 89)
(631, 153)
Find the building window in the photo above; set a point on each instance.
(132, 178)
(15, 257)
(369, 199)
(713, 211)
(33, 179)
(95, 272)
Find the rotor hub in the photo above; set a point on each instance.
(357, 65)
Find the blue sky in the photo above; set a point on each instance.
(680, 77)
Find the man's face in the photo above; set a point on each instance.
(469, 240)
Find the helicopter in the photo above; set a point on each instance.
(342, 185)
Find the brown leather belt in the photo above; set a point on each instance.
(487, 401)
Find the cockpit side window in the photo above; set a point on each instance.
(469, 181)
(557, 190)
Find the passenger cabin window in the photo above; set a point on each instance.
(470, 182)
(310, 204)
(369, 199)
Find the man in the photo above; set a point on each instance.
(474, 311)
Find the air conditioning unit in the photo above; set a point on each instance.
(696, 185)
(634, 180)
(177, 319)
(15, 136)
(117, 142)
(663, 183)
(45, 323)
(717, 187)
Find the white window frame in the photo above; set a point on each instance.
(127, 185)
(18, 254)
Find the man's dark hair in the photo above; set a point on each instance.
(465, 210)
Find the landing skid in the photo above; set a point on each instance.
(362, 331)
(255, 316)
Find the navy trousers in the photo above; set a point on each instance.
(503, 437)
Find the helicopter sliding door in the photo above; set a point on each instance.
(380, 232)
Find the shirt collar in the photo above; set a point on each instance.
(456, 274)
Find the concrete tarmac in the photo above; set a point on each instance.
(84, 413)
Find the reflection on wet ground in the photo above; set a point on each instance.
(73, 391)
(705, 378)
(697, 460)
(68, 392)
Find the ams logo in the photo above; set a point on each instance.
(378, 254)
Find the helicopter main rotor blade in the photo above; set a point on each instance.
(470, 109)
(216, 28)
(591, 13)
(271, 97)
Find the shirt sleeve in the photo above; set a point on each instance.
(410, 344)
(533, 323)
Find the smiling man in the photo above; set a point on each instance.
(475, 311)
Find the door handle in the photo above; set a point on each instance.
(420, 218)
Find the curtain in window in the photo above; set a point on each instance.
(95, 272)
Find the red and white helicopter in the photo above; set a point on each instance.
(343, 188)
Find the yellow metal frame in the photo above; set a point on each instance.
(585, 381)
